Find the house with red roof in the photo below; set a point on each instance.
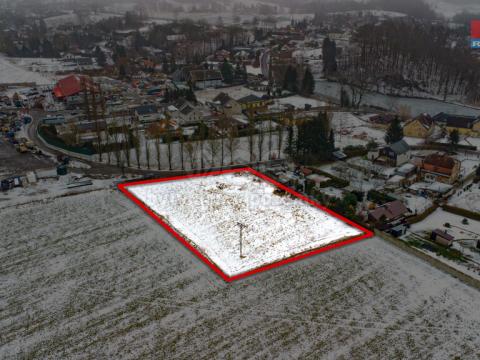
(440, 168)
(72, 85)
(391, 213)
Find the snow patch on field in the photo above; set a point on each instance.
(207, 211)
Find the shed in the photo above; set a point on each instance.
(31, 177)
(442, 237)
(398, 231)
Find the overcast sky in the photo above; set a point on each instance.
(450, 7)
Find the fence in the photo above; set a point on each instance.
(59, 145)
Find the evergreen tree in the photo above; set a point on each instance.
(100, 57)
(315, 140)
(122, 72)
(344, 99)
(290, 80)
(290, 148)
(454, 137)
(331, 140)
(227, 71)
(329, 50)
(308, 83)
(394, 131)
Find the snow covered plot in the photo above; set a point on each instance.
(208, 212)
(468, 198)
(11, 72)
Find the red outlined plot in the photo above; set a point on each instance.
(365, 233)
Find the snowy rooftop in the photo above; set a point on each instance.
(207, 212)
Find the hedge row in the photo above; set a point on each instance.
(334, 181)
(379, 197)
(50, 138)
(355, 150)
(462, 212)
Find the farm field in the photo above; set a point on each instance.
(11, 72)
(208, 211)
(90, 276)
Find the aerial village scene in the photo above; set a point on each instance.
(326, 99)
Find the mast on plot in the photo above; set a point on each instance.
(241, 226)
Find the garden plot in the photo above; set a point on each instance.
(208, 212)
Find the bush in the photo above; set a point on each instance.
(355, 150)
(379, 197)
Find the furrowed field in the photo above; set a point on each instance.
(91, 276)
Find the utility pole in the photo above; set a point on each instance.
(242, 226)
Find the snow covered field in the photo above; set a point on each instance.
(416, 106)
(10, 72)
(90, 276)
(207, 211)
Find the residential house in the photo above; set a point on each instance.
(436, 190)
(72, 86)
(421, 126)
(392, 213)
(466, 125)
(225, 104)
(440, 168)
(147, 113)
(186, 112)
(203, 79)
(395, 154)
(406, 170)
(382, 119)
(253, 102)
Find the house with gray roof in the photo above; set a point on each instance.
(395, 154)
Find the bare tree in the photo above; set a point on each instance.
(213, 145)
(232, 141)
(280, 137)
(156, 131)
(147, 150)
(270, 140)
(260, 140)
(251, 134)
(223, 125)
(127, 140)
(191, 148)
(181, 139)
(202, 135)
(137, 144)
(168, 140)
(117, 143)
